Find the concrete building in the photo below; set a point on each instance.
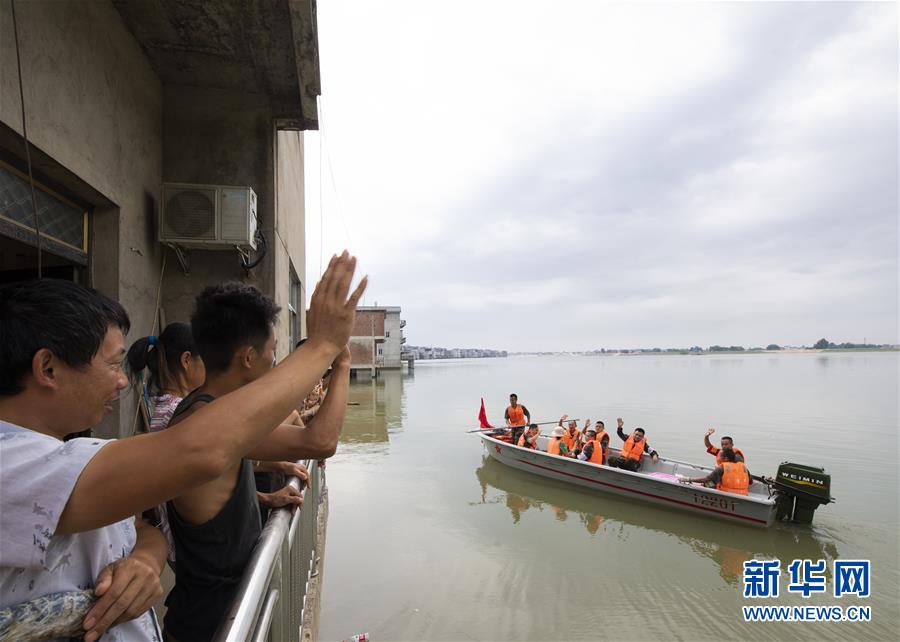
(377, 340)
(121, 96)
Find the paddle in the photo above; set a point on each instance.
(542, 423)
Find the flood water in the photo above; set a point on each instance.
(428, 539)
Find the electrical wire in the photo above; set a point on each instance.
(162, 271)
(37, 225)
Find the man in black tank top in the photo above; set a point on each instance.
(217, 525)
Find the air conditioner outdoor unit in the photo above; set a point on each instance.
(208, 217)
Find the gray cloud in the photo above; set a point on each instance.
(758, 204)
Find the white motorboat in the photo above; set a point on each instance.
(658, 483)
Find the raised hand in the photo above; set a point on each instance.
(331, 313)
(710, 431)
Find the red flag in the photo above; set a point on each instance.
(482, 416)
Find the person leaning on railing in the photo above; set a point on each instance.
(216, 525)
(68, 507)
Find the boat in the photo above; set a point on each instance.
(793, 494)
(727, 547)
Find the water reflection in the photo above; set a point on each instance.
(375, 408)
(729, 546)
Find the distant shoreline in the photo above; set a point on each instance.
(644, 353)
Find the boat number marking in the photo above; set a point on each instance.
(714, 501)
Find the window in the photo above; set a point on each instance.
(63, 227)
(294, 299)
(60, 220)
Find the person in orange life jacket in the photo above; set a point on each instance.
(556, 445)
(730, 476)
(529, 437)
(727, 444)
(517, 417)
(602, 437)
(571, 435)
(593, 450)
(635, 445)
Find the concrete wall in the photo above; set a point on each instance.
(391, 346)
(94, 114)
(217, 137)
(290, 231)
(107, 133)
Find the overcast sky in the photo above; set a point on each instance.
(576, 175)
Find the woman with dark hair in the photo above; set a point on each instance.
(175, 369)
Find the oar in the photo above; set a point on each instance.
(543, 423)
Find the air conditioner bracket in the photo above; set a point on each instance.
(183, 257)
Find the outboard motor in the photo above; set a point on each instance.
(800, 491)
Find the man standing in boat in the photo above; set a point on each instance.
(727, 444)
(517, 417)
(635, 445)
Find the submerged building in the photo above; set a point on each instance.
(377, 341)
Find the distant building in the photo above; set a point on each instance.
(376, 341)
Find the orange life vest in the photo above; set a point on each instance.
(524, 442)
(631, 450)
(720, 458)
(570, 440)
(553, 446)
(599, 440)
(597, 455)
(516, 415)
(734, 479)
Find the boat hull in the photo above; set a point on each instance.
(661, 490)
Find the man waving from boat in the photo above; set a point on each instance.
(635, 445)
(727, 444)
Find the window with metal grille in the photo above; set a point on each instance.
(59, 219)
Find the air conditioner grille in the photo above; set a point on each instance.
(191, 214)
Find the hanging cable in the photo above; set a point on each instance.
(337, 196)
(263, 245)
(325, 153)
(37, 225)
(162, 271)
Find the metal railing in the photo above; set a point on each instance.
(270, 600)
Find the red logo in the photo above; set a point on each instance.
(497, 448)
